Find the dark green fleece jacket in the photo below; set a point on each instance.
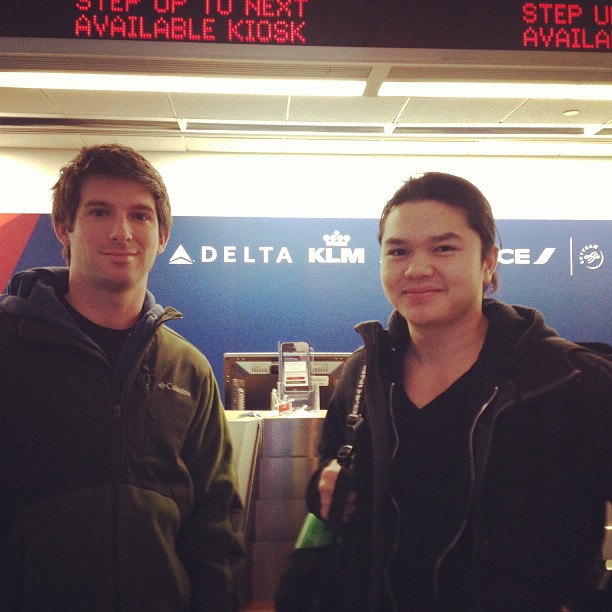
(117, 487)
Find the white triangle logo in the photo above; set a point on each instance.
(181, 257)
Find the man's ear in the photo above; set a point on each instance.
(163, 241)
(62, 232)
(490, 263)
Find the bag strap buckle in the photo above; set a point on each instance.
(345, 455)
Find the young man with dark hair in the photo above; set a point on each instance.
(485, 459)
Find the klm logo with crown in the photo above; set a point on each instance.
(336, 251)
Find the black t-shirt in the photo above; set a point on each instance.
(111, 341)
(430, 483)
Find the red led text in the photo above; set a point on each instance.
(562, 26)
(234, 21)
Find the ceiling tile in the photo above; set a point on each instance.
(551, 111)
(229, 107)
(457, 110)
(112, 103)
(26, 101)
(344, 110)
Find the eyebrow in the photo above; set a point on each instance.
(438, 238)
(446, 236)
(95, 202)
(99, 202)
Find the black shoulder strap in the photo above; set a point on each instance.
(346, 458)
(354, 420)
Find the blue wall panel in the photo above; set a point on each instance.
(290, 285)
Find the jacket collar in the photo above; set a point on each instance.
(35, 295)
(519, 345)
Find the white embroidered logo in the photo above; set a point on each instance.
(174, 388)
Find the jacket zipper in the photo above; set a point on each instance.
(526, 398)
(118, 462)
(470, 500)
(395, 506)
(472, 491)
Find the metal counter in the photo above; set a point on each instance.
(275, 457)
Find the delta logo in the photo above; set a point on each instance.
(180, 257)
(336, 250)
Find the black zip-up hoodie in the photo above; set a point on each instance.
(540, 454)
(117, 487)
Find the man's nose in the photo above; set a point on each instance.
(418, 264)
(122, 229)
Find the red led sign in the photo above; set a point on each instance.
(226, 21)
(562, 26)
(585, 25)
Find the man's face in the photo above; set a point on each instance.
(115, 236)
(432, 269)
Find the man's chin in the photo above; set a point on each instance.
(118, 285)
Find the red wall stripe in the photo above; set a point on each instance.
(15, 231)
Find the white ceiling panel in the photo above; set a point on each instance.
(111, 103)
(26, 101)
(457, 110)
(344, 110)
(551, 111)
(229, 107)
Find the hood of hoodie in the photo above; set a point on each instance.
(513, 331)
(512, 335)
(37, 293)
(519, 344)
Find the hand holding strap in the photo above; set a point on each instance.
(344, 485)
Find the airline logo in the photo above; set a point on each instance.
(591, 256)
(181, 257)
(525, 256)
(335, 251)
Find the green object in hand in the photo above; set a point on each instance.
(314, 534)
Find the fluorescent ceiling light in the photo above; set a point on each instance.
(592, 129)
(177, 84)
(549, 91)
